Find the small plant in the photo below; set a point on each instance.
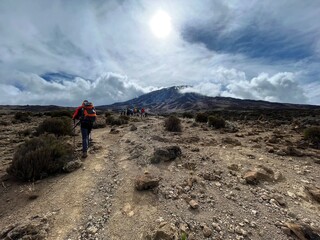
(187, 115)
(99, 124)
(107, 114)
(216, 122)
(4, 123)
(61, 113)
(201, 117)
(22, 117)
(173, 124)
(40, 157)
(124, 117)
(312, 134)
(184, 236)
(115, 121)
(25, 132)
(57, 126)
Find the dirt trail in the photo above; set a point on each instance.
(62, 197)
(99, 201)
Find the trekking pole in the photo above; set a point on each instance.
(74, 134)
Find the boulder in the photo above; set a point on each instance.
(166, 154)
(194, 204)
(302, 231)
(72, 166)
(114, 131)
(146, 182)
(260, 173)
(35, 228)
(133, 128)
(314, 192)
(165, 231)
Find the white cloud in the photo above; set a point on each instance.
(109, 45)
(32, 89)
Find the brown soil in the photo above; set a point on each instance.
(99, 200)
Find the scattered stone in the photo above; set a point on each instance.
(231, 141)
(114, 131)
(209, 176)
(164, 232)
(133, 128)
(194, 204)
(92, 230)
(234, 167)
(146, 182)
(280, 199)
(72, 166)
(207, 232)
(291, 151)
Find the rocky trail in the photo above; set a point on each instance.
(202, 183)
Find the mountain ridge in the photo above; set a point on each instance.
(171, 99)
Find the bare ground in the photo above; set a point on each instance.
(99, 201)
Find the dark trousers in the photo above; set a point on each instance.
(85, 138)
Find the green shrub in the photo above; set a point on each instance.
(62, 113)
(4, 123)
(312, 134)
(25, 132)
(115, 121)
(124, 117)
(201, 117)
(187, 115)
(173, 124)
(100, 123)
(40, 157)
(216, 122)
(22, 117)
(107, 114)
(57, 126)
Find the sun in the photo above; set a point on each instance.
(160, 24)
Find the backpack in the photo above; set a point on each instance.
(89, 112)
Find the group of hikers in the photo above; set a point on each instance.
(86, 114)
(133, 112)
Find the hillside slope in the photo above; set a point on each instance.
(173, 100)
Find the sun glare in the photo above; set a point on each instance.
(160, 24)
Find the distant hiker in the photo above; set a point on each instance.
(143, 114)
(86, 114)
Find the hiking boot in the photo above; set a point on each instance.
(84, 155)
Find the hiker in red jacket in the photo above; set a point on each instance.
(87, 115)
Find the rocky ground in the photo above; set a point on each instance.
(253, 180)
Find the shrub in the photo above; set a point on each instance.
(312, 134)
(115, 121)
(40, 157)
(61, 113)
(99, 124)
(4, 123)
(187, 115)
(22, 117)
(25, 132)
(173, 124)
(58, 126)
(124, 117)
(107, 114)
(216, 122)
(201, 117)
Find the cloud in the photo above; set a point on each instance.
(33, 89)
(280, 87)
(107, 49)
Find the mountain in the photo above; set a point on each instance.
(173, 100)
